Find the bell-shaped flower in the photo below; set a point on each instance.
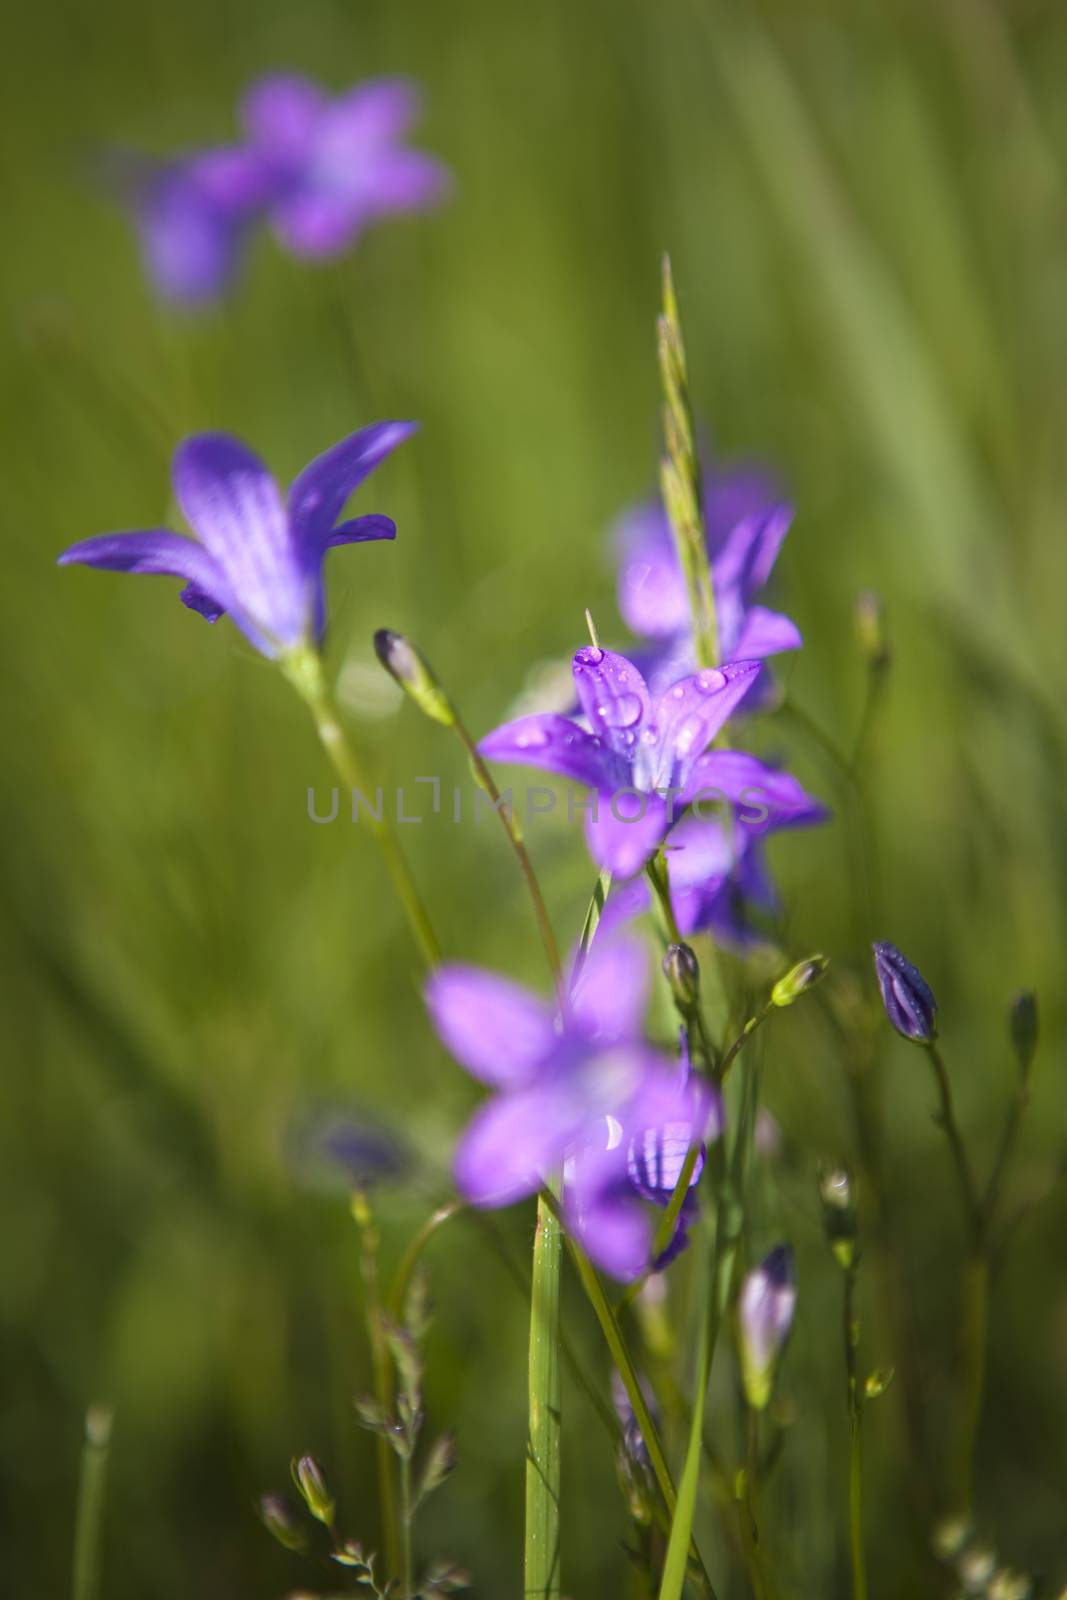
(641, 757)
(256, 555)
(765, 1310)
(907, 997)
(338, 164)
(572, 1095)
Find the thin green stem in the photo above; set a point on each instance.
(407, 1582)
(854, 1400)
(511, 828)
(304, 670)
(392, 1534)
(88, 1523)
(746, 1507)
(734, 1050)
(542, 1566)
(1009, 1134)
(965, 1178)
(409, 1260)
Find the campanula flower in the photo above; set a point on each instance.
(716, 861)
(765, 1311)
(337, 165)
(907, 997)
(256, 556)
(644, 759)
(193, 217)
(571, 1097)
(746, 523)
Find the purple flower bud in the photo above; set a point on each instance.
(765, 1315)
(907, 997)
(1024, 1030)
(682, 971)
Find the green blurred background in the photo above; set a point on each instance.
(865, 205)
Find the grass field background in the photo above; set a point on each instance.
(865, 206)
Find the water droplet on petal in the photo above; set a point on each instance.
(590, 655)
(532, 739)
(677, 693)
(711, 680)
(622, 712)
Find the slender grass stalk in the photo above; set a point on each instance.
(88, 1522)
(410, 1259)
(855, 1400)
(407, 1571)
(681, 478)
(745, 1492)
(946, 1118)
(542, 1553)
(305, 672)
(392, 1535)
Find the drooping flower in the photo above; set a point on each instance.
(643, 759)
(765, 1311)
(193, 216)
(746, 522)
(337, 165)
(907, 997)
(571, 1098)
(256, 556)
(655, 1159)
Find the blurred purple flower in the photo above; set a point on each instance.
(338, 1145)
(336, 165)
(746, 523)
(193, 216)
(571, 1097)
(765, 1310)
(654, 1162)
(644, 760)
(256, 556)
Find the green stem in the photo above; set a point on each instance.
(88, 1524)
(409, 1260)
(392, 1536)
(746, 1509)
(508, 823)
(541, 1572)
(304, 670)
(854, 1400)
(947, 1119)
(407, 1589)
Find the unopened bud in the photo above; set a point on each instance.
(682, 971)
(1024, 1029)
(799, 979)
(839, 1215)
(277, 1517)
(413, 673)
(871, 629)
(307, 1475)
(766, 1308)
(907, 997)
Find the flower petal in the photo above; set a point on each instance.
(753, 786)
(191, 247)
(652, 595)
(747, 555)
(318, 495)
(554, 744)
(613, 696)
(361, 529)
(626, 830)
(156, 551)
(497, 1029)
(233, 503)
(281, 115)
(765, 633)
(374, 114)
(690, 714)
(404, 180)
(608, 1002)
(509, 1147)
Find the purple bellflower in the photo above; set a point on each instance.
(336, 165)
(256, 556)
(572, 1097)
(654, 1162)
(193, 216)
(765, 1310)
(746, 523)
(907, 997)
(643, 759)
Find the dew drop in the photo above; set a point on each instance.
(532, 739)
(711, 680)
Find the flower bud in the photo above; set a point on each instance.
(307, 1475)
(1024, 1030)
(799, 979)
(766, 1307)
(682, 971)
(276, 1515)
(871, 629)
(412, 672)
(907, 997)
(839, 1214)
